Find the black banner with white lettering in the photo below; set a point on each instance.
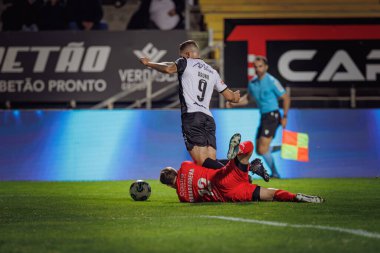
(305, 52)
(82, 66)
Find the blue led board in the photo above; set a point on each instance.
(136, 144)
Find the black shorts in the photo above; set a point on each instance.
(198, 129)
(269, 123)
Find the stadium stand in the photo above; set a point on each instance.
(213, 12)
(216, 11)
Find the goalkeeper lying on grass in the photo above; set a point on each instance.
(195, 183)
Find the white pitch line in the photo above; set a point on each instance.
(359, 232)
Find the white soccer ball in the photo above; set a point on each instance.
(140, 190)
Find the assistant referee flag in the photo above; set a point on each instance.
(295, 146)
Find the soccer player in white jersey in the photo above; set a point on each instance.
(197, 80)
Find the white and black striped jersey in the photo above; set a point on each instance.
(197, 81)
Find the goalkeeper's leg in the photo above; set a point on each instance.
(270, 194)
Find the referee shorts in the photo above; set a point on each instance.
(269, 123)
(198, 129)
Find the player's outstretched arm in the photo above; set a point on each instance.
(229, 95)
(163, 67)
(243, 101)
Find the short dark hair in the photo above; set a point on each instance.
(168, 175)
(261, 58)
(184, 45)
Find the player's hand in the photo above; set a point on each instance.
(236, 96)
(284, 121)
(228, 104)
(144, 60)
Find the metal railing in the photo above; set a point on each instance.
(352, 97)
(149, 96)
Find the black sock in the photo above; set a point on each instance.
(223, 161)
(242, 167)
(212, 164)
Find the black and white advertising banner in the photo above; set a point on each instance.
(82, 66)
(305, 52)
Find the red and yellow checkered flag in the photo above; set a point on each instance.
(295, 146)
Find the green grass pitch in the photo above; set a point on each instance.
(101, 217)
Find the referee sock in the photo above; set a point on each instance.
(212, 164)
(270, 161)
(281, 195)
(275, 148)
